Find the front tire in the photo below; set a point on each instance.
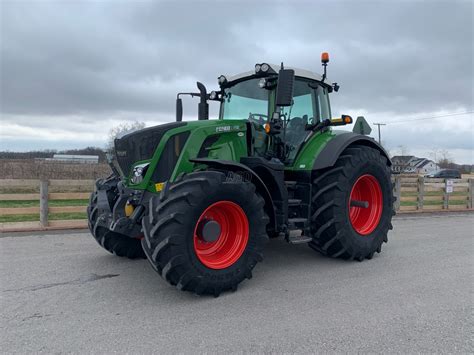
(177, 246)
(352, 205)
(115, 243)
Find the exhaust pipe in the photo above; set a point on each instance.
(203, 108)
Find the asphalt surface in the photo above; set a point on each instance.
(61, 293)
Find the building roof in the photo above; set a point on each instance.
(425, 162)
(75, 156)
(402, 159)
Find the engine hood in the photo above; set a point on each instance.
(140, 145)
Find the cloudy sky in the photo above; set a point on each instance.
(70, 70)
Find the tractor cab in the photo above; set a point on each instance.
(284, 106)
(253, 95)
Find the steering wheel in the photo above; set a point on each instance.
(295, 129)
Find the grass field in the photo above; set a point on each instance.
(35, 203)
(457, 198)
(35, 217)
(82, 215)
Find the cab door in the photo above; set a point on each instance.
(310, 105)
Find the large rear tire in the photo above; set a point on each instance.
(205, 233)
(352, 205)
(115, 243)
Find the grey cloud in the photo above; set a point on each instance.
(97, 59)
(76, 57)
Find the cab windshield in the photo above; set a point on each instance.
(246, 100)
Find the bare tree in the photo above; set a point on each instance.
(120, 130)
(445, 160)
(442, 157)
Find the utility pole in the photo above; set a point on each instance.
(378, 125)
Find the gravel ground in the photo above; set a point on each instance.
(61, 293)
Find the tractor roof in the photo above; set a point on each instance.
(298, 72)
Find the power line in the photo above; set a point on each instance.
(419, 119)
(431, 117)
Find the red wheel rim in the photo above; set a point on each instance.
(232, 240)
(364, 220)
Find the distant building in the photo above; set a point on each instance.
(75, 159)
(409, 164)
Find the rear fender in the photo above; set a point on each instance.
(333, 149)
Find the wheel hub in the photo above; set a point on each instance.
(208, 230)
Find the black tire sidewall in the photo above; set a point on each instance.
(169, 231)
(232, 192)
(378, 170)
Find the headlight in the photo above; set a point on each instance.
(265, 67)
(138, 173)
(258, 67)
(213, 95)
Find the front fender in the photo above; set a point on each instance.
(235, 167)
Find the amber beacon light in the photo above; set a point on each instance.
(325, 57)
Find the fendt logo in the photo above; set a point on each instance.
(227, 128)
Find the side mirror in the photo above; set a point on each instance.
(179, 110)
(286, 80)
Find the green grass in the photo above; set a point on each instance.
(452, 198)
(35, 203)
(35, 217)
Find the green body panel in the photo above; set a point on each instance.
(310, 150)
(230, 145)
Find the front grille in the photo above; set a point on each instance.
(140, 145)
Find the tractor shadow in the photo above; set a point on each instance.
(282, 262)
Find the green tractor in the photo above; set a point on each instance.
(200, 199)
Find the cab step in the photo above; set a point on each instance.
(295, 223)
(294, 202)
(296, 237)
(290, 184)
(302, 239)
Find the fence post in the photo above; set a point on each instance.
(445, 197)
(397, 192)
(421, 192)
(44, 203)
(470, 193)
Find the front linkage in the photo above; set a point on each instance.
(111, 227)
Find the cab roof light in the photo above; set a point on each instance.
(324, 62)
(325, 58)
